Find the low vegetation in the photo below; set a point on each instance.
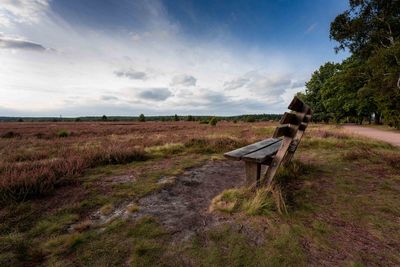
(61, 198)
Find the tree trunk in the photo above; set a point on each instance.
(377, 119)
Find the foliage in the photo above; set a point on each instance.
(250, 118)
(213, 121)
(142, 118)
(365, 84)
(63, 133)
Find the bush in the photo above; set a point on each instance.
(213, 121)
(10, 134)
(142, 118)
(250, 118)
(190, 118)
(104, 118)
(176, 118)
(63, 133)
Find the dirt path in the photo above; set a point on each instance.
(387, 136)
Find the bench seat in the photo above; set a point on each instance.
(270, 153)
(268, 146)
(263, 155)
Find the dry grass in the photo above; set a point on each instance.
(35, 159)
(252, 202)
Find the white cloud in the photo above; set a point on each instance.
(154, 94)
(95, 70)
(10, 42)
(22, 11)
(183, 80)
(131, 74)
(236, 83)
(312, 27)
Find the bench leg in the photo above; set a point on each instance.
(253, 173)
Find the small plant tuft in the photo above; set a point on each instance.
(213, 121)
(63, 133)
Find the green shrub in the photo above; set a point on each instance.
(250, 118)
(213, 121)
(142, 118)
(63, 133)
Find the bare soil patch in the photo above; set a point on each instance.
(182, 207)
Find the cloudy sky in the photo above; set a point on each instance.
(126, 57)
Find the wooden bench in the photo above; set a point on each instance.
(272, 152)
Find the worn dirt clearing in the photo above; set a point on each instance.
(182, 207)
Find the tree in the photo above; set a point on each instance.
(347, 89)
(370, 29)
(368, 25)
(104, 118)
(314, 86)
(190, 118)
(176, 118)
(142, 118)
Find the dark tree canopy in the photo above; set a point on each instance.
(367, 84)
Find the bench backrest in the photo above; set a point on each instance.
(291, 128)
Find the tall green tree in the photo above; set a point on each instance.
(313, 94)
(370, 30)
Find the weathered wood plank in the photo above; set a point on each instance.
(307, 118)
(291, 118)
(276, 162)
(298, 105)
(237, 154)
(253, 173)
(284, 130)
(262, 155)
(303, 126)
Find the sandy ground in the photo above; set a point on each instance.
(387, 136)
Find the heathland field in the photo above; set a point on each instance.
(160, 194)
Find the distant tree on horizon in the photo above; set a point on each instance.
(142, 118)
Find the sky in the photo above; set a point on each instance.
(126, 57)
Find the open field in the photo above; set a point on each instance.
(148, 194)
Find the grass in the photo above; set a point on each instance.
(336, 204)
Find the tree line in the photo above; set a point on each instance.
(366, 85)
